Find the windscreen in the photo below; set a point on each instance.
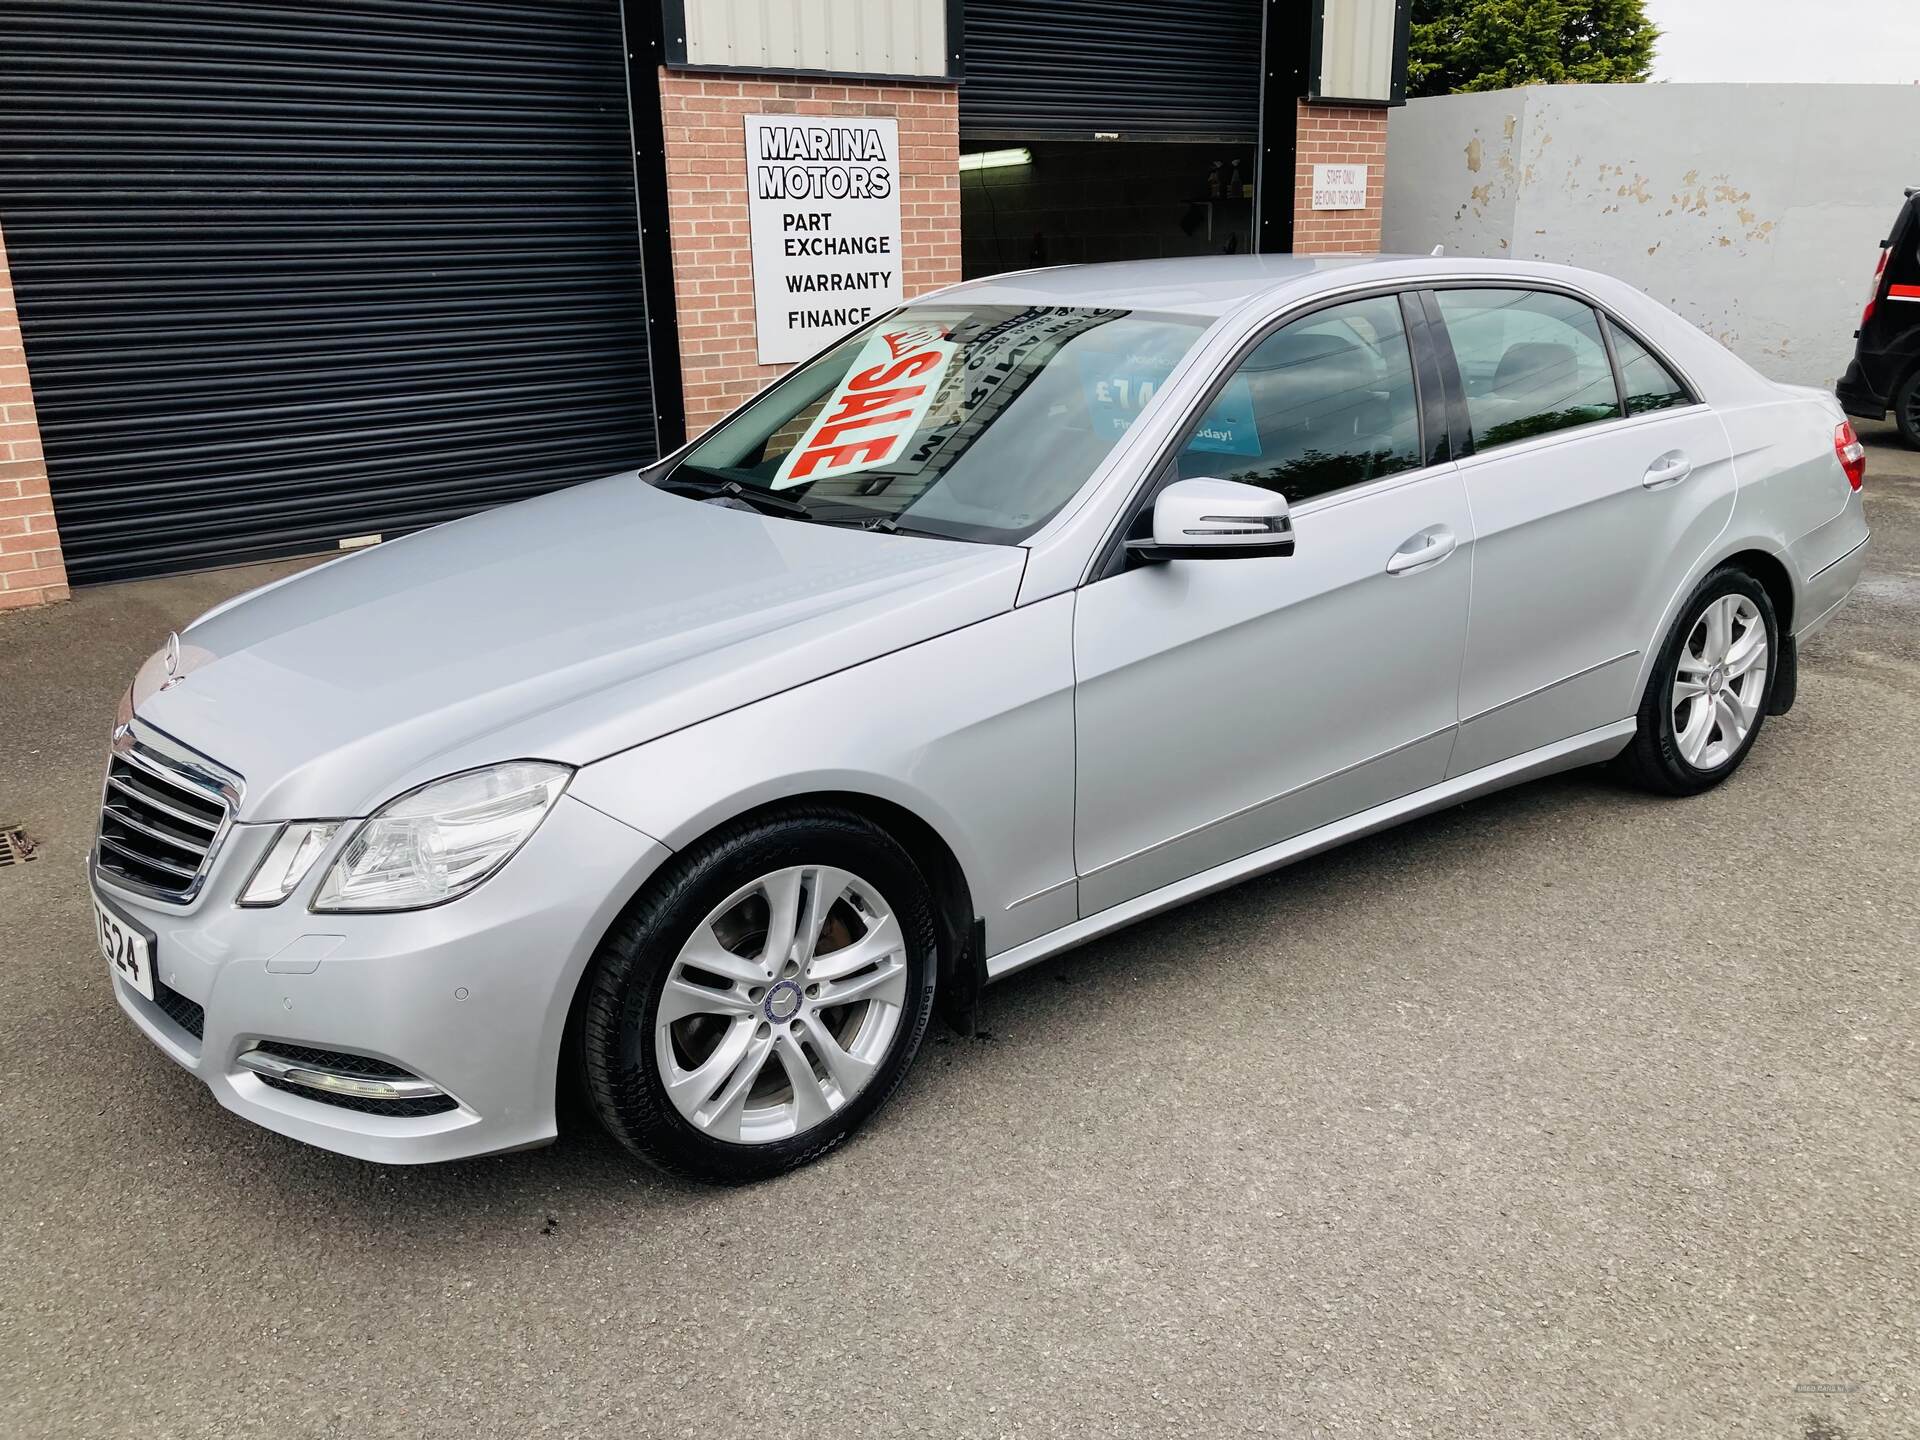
(973, 422)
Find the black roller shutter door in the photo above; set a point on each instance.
(293, 273)
(1070, 68)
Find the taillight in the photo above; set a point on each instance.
(1873, 293)
(1853, 455)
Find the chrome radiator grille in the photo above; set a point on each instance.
(163, 813)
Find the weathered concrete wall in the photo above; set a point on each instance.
(1756, 211)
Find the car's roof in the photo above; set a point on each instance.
(1208, 285)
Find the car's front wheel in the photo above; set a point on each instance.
(1708, 694)
(763, 998)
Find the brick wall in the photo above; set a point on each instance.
(31, 570)
(707, 211)
(1338, 135)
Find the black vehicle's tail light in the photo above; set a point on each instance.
(1873, 291)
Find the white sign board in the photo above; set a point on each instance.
(1339, 187)
(823, 205)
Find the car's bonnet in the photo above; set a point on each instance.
(563, 628)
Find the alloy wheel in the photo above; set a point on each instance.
(1720, 682)
(781, 1005)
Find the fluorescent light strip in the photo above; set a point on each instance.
(996, 159)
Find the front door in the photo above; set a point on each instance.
(1590, 500)
(1223, 705)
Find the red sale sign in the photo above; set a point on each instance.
(875, 410)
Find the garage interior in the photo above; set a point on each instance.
(1074, 201)
(1093, 130)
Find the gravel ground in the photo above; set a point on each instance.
(1565, 1112)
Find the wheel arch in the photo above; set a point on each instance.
(1905, 369)
(959, 933)
(1772, 573)
(1761, 557)
(936, 859)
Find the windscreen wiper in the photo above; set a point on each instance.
(715, 488)
(880, 525)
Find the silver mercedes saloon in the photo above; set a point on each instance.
(1039, 605)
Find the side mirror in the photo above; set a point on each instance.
(1205, 519)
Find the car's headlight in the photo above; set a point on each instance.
(438, 842)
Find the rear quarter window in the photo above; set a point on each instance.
(1647, 383)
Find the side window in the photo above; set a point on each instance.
(1532, 362)
(1648, 383)
(1320, 404)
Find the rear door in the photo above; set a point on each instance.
(1596, 477)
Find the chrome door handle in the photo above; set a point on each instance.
(1669, 469)
(1429, 547)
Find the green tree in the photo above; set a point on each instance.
(1491, 44)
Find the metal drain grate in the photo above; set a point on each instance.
(15, 847)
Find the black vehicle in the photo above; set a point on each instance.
(1885, 373)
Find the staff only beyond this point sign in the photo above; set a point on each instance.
(1339, 187)
(823, 204)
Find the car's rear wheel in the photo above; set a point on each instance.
(1906, 407)
(1707, 696)
(764, 997)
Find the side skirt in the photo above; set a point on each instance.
(1588, 748)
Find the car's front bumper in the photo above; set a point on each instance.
(472, 996)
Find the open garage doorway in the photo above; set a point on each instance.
(1101, 130)
(1061, 202)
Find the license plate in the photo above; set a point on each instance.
(126, 949)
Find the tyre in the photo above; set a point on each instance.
(763, 998)
(1906, 408)
(1708, 694)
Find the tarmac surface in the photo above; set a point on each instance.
(1565, 1112)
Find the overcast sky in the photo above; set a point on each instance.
(1783, 40)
